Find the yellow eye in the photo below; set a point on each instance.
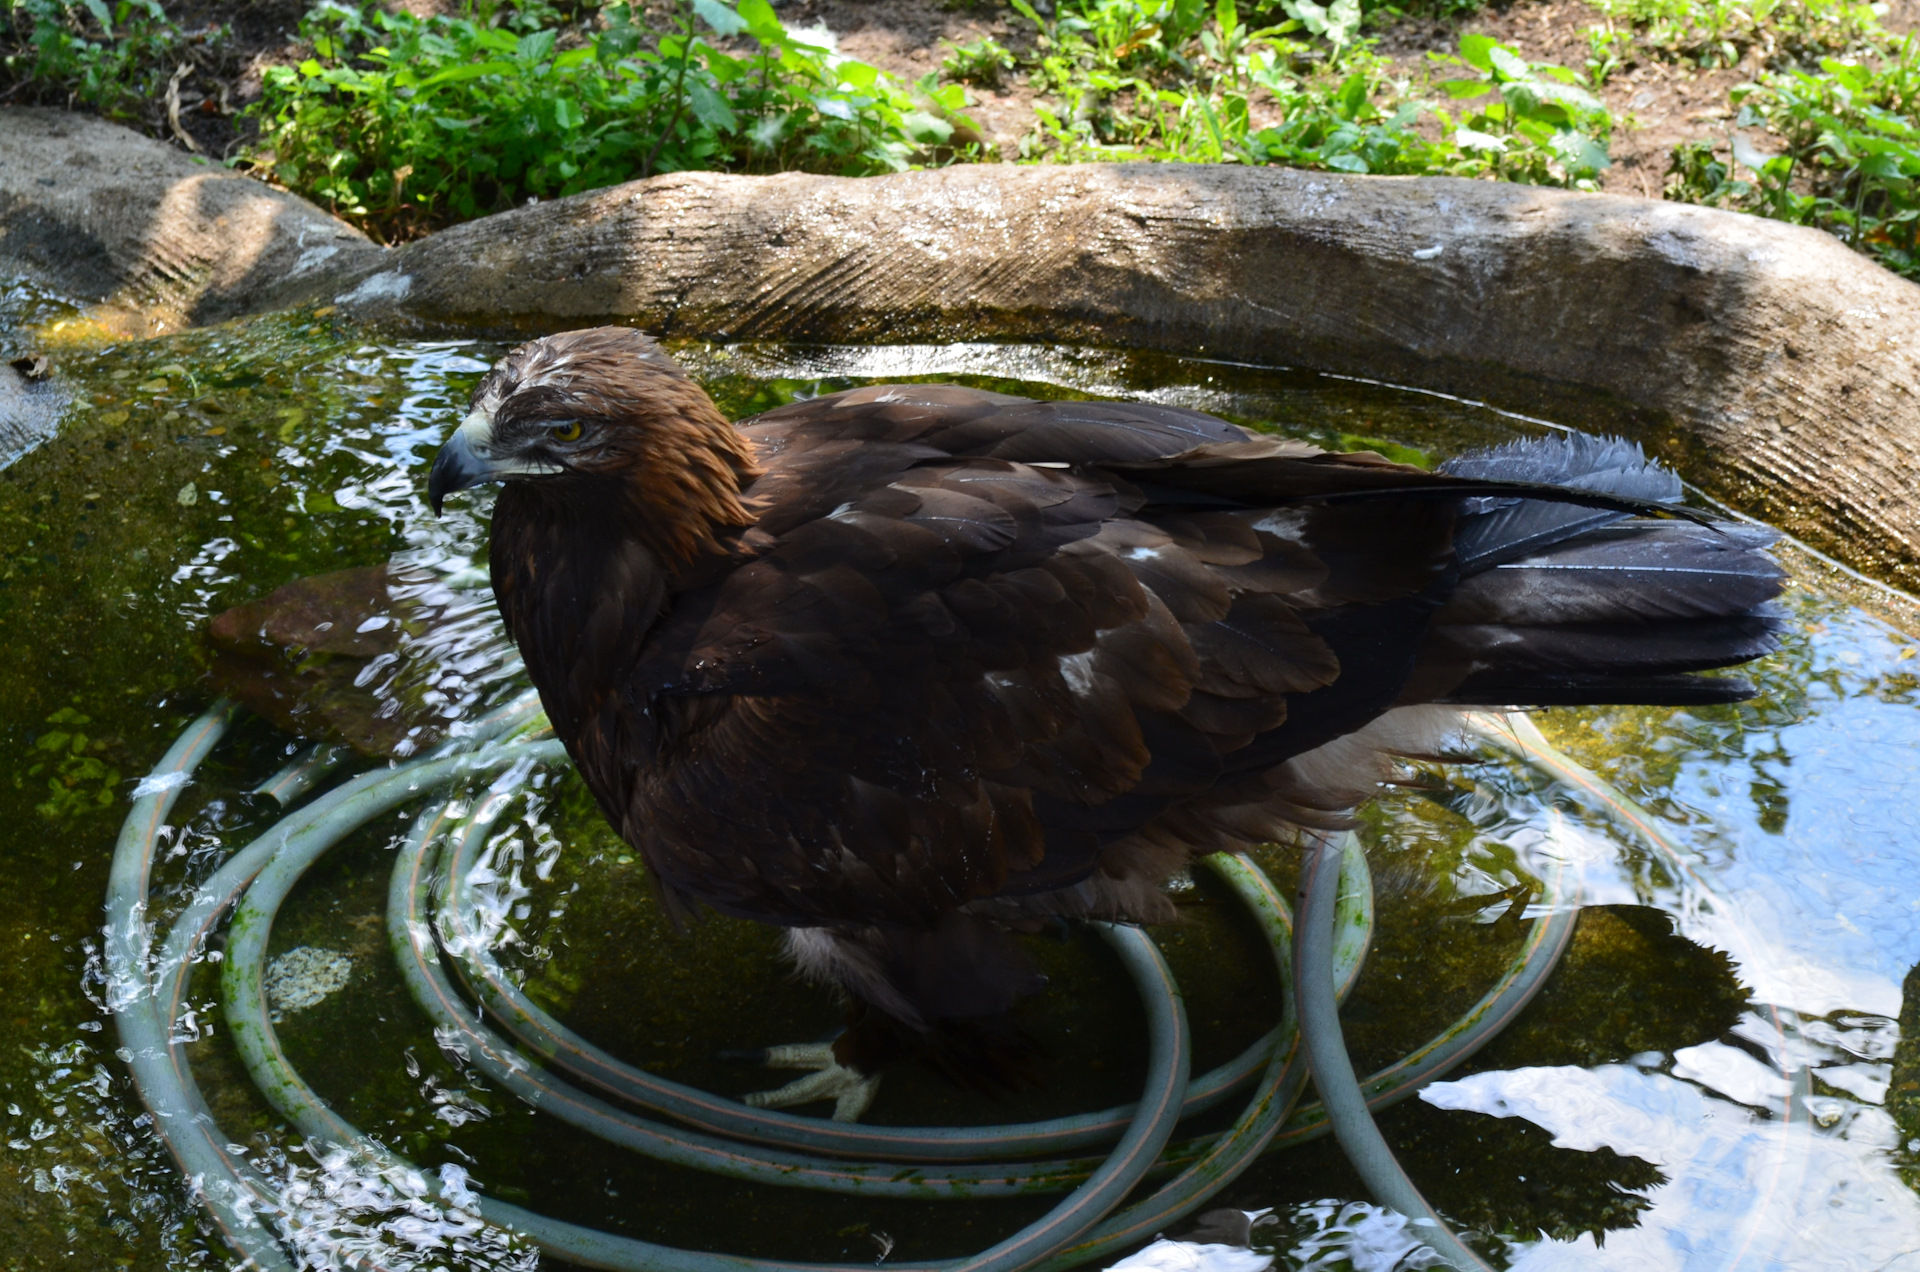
(568, 432)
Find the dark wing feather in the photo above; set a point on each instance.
(1640, 570)
(968, 636)
(972, 422)
(904, 670)
(1497, 528)
(1613, 615)
(1280, 472)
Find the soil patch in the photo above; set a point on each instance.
(910, 38)
(1656, 105)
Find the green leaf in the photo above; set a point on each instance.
(1026, 11)
(1459, 88)
(1507, 64)
(1308, 14)
(723, 20)
(1567, 95)
(1469, 139)
(498, 41)
(1343, 19)
(928, 130)
(472, 70)
(1882, 164)
(536, 47)
(1475, 49)
(833, 107)
(1351, 97)
(1581, 155)
(949, 97)
(761, 21)
(858, 74)
(709, 107)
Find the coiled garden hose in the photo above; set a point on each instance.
(1333, 1075)
(544, 1063)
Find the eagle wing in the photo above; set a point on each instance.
(964, 654)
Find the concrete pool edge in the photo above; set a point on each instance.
(1777, 368)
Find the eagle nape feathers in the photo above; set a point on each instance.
(904, 668)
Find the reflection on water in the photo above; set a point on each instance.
(1640, 1116)
(1801, 803)
(1795, 809)
(1745, 1187)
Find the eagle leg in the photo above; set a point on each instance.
(850, 1090)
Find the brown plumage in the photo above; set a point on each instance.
(900, 667)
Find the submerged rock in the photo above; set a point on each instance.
(304, 976)
(379, 658)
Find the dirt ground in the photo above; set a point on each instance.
(1657, 104)
(911, 37)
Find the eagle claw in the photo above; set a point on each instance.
(850, 1090)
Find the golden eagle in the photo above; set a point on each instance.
(903, 667)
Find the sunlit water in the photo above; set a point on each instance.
(1631, 1119)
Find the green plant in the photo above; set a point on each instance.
(1541, 127)
(1336, 22)
(1365, 14)
(1609, 48)
(77, 780)
(403, 123)
(116, 58)
(1720, 33)
(1153, 79)
(1130, 78)
(1851, 162)
(983, 62)
(1341, 126)
(1697, 174)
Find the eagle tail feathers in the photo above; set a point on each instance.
(1562, 605)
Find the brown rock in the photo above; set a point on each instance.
(105, 215)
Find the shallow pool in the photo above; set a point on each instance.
(1630, 1118)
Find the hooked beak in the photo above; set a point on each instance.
(463, 460)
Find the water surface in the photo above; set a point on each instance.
(1632, 1118)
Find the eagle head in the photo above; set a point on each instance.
(603, 412)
